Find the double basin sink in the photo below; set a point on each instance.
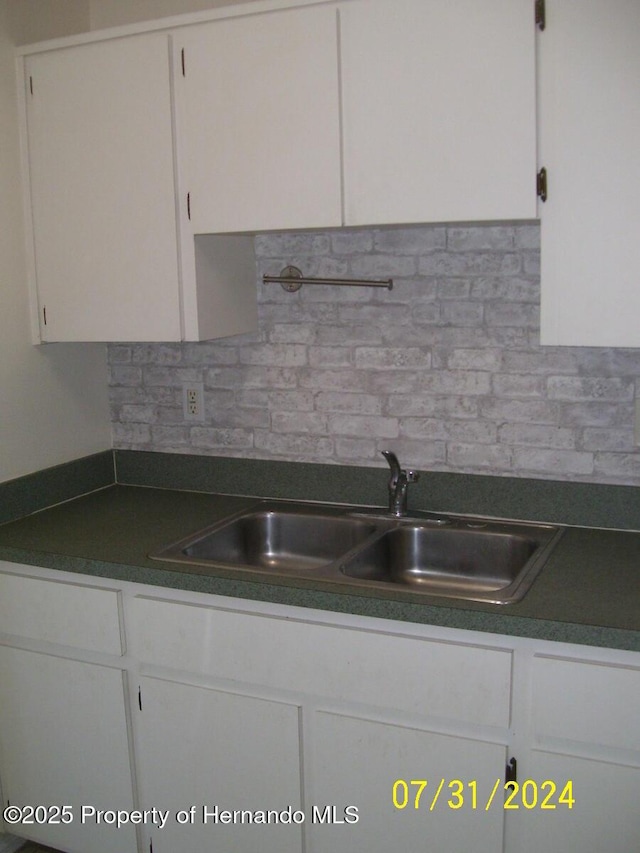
(461, 557)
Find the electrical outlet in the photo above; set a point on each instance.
(193, 401)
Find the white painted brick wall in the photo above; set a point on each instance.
(445, 369)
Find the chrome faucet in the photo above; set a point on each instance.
(398, 484)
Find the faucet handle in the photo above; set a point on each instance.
(412, 476)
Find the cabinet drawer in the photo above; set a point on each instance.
(595, 703)
(70, 614)
(453, 681)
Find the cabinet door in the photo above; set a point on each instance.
(584, 764)
(63, 741)
(439, 110)
(207, 749)
(100, 154)
(259, 107)
(589, 132)
(604, 813)
(378, 767)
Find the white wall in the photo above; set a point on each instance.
(113, 13)
(446, 369)
(37, 20)
(53, 399)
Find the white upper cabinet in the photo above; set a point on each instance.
(151, 157)
(439, 110)
(259, 106)
(589, 138)
(100, 159)
(110, 259)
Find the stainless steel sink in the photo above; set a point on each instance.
(460, 557)
(462, 562)
(279, 541)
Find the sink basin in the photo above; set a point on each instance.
(462, 562)
(458, 557)
(276, 541)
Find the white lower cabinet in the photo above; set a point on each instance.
(585, 743)
(323, 719)
(380, 769)
(65, 757)
(261, 727)
(204, 752)
(603, 816)
(63, 743)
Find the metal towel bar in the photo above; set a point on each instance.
(291, 279)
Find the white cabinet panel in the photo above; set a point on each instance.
(439, 110)
(260, 108)
(207, 748)
(100, 155)
(584, 726)
(604, 816)
(356, 763)
(404, 673)
(589, 133)
(588, 702)
(54, 612)
(63, 741)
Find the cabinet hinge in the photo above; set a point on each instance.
(511, 771)
(541, 14)
(182, 62)
(541, 184)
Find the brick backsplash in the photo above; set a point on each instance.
(446, 369)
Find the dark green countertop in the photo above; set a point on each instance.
(588, 593)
